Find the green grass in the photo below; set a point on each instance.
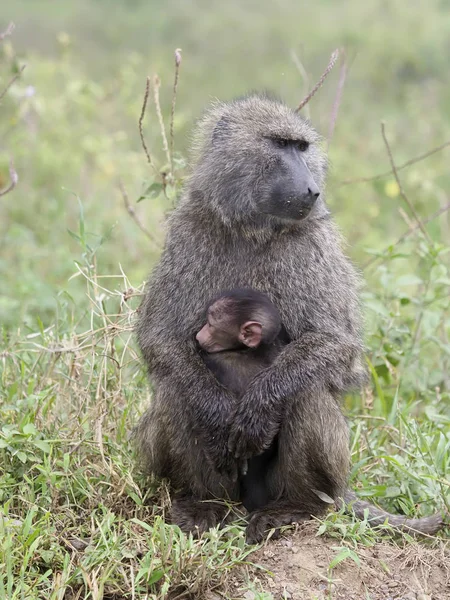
(77, 519)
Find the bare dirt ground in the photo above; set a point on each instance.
(298, 569)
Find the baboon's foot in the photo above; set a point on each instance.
(262, 521)
(197, 516)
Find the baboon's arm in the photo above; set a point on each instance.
(314, 360)
(200, 399)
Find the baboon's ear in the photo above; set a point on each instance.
(250, 334)
(221, 130)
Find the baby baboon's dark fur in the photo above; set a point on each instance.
(236, 365)
(233, 363)
(226, 233)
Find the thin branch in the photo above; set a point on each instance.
(424, 293)
(402, 192)
(141, 121)
(304, 74)
(8, 31)
(14, 179)
(156, 86)
(410, 231)
(174, 99)
(319, 84)
(16, 76)
(404, 215)
(12, 172)
(131, 211)
(338, 97)
(408, 163)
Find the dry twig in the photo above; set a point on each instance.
(156, 86)
(131, 211)
(141, 121)
(304, 74)
(14, 179)
(174, 99)
(8, 31)
(16, 76)
(410, 231)
(401, 190)
(12, 172)
(337, 100)
(408, 163)
(319, 84)
(404, 215)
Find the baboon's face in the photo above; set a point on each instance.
(259, 160)
(220, 332)
(290, 190)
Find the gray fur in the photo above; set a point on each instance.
(217, 239)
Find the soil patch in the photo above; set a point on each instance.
(298, 568)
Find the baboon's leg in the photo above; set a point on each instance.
(314, 453)
(254, 486)
(197, 516)
(313, 457)
(205, 497)
(273, 516)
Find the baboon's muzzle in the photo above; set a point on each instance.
(294, 190)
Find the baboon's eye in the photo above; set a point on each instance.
(303, 146)
(281, 143)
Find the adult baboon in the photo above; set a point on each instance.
(252, 215)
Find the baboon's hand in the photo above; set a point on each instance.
(253, 428)
(244, 442)
(228, 466)
(220, 458)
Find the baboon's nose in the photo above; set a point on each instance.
(311, 196)
(313, 193)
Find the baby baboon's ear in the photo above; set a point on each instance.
(250, 334)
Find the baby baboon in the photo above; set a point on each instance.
(241, 337)
(252, 215)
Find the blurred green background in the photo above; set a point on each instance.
(70, 121)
